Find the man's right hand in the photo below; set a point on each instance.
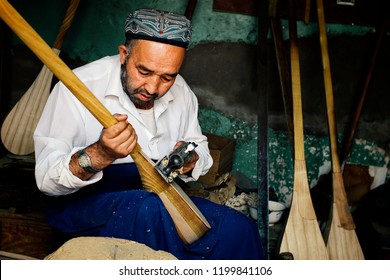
(117, 141)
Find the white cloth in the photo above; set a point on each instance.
(148, 117)
(67, 126)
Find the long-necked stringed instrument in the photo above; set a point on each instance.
(18, 127)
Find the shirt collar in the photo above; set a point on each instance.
(114, 87)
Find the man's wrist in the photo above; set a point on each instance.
(85, 161)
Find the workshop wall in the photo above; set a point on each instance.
(98, 25)
(221, 69)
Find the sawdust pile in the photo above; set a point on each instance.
(106, 248)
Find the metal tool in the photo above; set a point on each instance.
(171, 165)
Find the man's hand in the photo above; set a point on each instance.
(191, 163)
(117, 141)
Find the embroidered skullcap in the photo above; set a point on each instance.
(159, 26)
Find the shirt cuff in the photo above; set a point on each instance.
(66, 177)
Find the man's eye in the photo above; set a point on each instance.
(143, 73)
(166, 79)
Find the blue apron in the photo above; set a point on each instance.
(117, 206)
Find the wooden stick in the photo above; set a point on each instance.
(364, 90)
(16, 256)
(342, 242)
(302, 236)
(284, 76)
(18, 127)
(189, 221)
(190, 9)
(307, 11)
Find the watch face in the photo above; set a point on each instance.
(84, 160)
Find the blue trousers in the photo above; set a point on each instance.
(117, 207)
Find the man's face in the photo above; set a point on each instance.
(149, 71)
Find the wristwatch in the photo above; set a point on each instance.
(85, 162)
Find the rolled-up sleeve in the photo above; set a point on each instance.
(54, 144)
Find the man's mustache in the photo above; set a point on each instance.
(145, 92)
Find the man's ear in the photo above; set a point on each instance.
(122, 53)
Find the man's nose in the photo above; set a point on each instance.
(153, 83)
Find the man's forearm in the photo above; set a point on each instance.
(98, 160)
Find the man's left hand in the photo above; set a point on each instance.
(191, 163)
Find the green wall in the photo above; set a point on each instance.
(97, 28)
(280, 158)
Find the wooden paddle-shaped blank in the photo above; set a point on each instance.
(19, 125)
(342, 242)
(302, 236)
(189, 221)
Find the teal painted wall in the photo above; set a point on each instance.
(280, 158)
(97, 28)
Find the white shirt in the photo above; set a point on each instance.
(66, 126)
(148, 117)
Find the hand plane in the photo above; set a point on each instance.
(171, 165)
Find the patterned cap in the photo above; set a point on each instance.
(160, 26)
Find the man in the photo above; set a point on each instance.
(94, 185)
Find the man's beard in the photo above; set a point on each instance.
(131, 93)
